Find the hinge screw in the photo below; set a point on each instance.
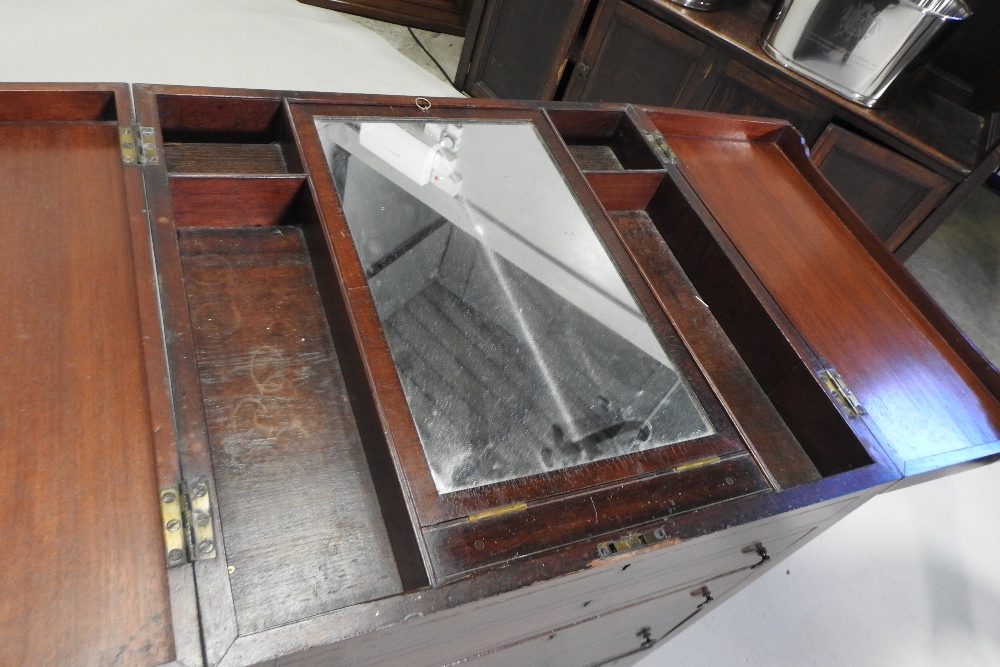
(168, 497)
(173, 525)
(200, 490)
(206, 547)
(202, 519)
(175, 555)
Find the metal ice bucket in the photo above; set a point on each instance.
(856, 48)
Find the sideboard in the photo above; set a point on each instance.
(310, 379)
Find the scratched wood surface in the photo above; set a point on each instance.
(84, 580)
(303, 528)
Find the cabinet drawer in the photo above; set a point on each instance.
(609, 637)
(891, 193)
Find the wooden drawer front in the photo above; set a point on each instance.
(604, 637)
(631, 57)
(737, 89)
(523, 48)
(891, 193)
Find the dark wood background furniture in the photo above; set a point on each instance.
(450, 16)
(208, 457)
(904, 167)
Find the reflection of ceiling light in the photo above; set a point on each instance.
(423, 158)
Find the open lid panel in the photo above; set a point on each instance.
(87, 425)
(908, 382)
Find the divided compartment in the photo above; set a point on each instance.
(788, 380)
(619, 163)
(613, 154)
(306, 530)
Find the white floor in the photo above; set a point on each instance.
(911, 579)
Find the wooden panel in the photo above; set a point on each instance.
(891, 193)
(631, 57)
(738, 90)
(448, 16)
(85, 582)
(601, 638)
(466, 545)
(230, 201)
(57, 105)
(523, 47)
(624, 191)
(224, 158)
(925, 406)
(303, 528)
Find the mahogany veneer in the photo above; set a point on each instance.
(202, 315)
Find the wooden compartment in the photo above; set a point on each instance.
(303, 525)
(621, 165)
(230, 396)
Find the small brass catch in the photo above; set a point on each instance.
(497, 511)
(835, 384)
(697, 464)
(631, 542)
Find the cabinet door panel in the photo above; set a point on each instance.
(632, 57)
(523, 47)
(736, 89)
(891, 193)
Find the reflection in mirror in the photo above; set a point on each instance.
(520, 348)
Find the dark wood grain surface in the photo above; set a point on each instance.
(224, 158)
(86, 583)
(922, 400)
(302, 525)
(233, 201)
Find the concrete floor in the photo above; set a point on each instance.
(960, 266)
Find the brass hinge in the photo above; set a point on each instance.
(835, 384)
(661, 147)
(188, 534)
(138, 145)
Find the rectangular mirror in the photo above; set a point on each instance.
(519, 346)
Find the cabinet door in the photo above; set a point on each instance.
(630, 56)
(734, 88)
(521, 48)
(891, 193)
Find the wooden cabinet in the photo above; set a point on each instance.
(630, 56)
(449, 16)
(890, 192)
(362, 380)
(656, 52)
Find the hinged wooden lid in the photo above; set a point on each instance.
(85, 413)
(929, 399)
